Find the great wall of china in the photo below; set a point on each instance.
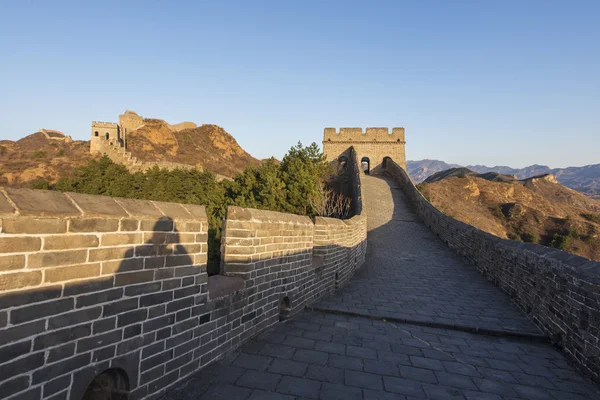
(110, 138)
(94, 286)
(112, 294)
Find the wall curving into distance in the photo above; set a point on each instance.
(558, 291)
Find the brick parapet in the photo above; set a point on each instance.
(352, 135)
(89, 283)
(288, 256)
(558, 291)
(92, 283)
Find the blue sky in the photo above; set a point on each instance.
(487, 82)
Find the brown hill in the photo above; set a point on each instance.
(538, 209)
(39, 157)
(206, 146)
(584, 179)
(50, 155)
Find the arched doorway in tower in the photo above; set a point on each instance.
(342, 163)
(365, 165)
(385, 161)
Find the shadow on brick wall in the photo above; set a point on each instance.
(89, 336)
(150, 323)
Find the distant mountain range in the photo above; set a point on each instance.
(584, 179)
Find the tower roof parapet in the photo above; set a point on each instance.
(358, 135)
(100, 124)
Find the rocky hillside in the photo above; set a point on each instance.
(37, 157)
(583, 179)
(208, 146)
(537, 209)
(50, 155)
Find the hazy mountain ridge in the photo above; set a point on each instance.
(584, 179)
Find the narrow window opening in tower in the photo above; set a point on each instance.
(96, 133)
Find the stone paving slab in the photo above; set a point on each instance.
(411, 275)
(326, 356)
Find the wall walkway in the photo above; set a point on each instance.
(412, 276)
(556, 290)
(409, 324)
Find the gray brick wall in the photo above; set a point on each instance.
(91, 283)
(558, 291)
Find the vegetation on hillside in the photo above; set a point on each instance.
(37, 158)
(296, 185)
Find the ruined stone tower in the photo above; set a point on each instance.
(128, 122)
(371, 146)
(104, 135)
(107, 136)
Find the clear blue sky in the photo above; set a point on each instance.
(489, 82)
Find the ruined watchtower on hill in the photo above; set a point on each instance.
(371, 147)
(105, 134)
(108, 136)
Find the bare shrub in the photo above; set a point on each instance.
(328, 203)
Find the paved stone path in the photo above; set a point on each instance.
(409, 275)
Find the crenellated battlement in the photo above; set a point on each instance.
(360, 135)
(100, 124)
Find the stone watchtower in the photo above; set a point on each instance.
(104, 134)
(371, 146)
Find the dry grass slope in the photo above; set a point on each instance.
(36, 157)
(536, 210)
(208, 146)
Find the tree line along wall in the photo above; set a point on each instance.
(99, 292)
(559, 292)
